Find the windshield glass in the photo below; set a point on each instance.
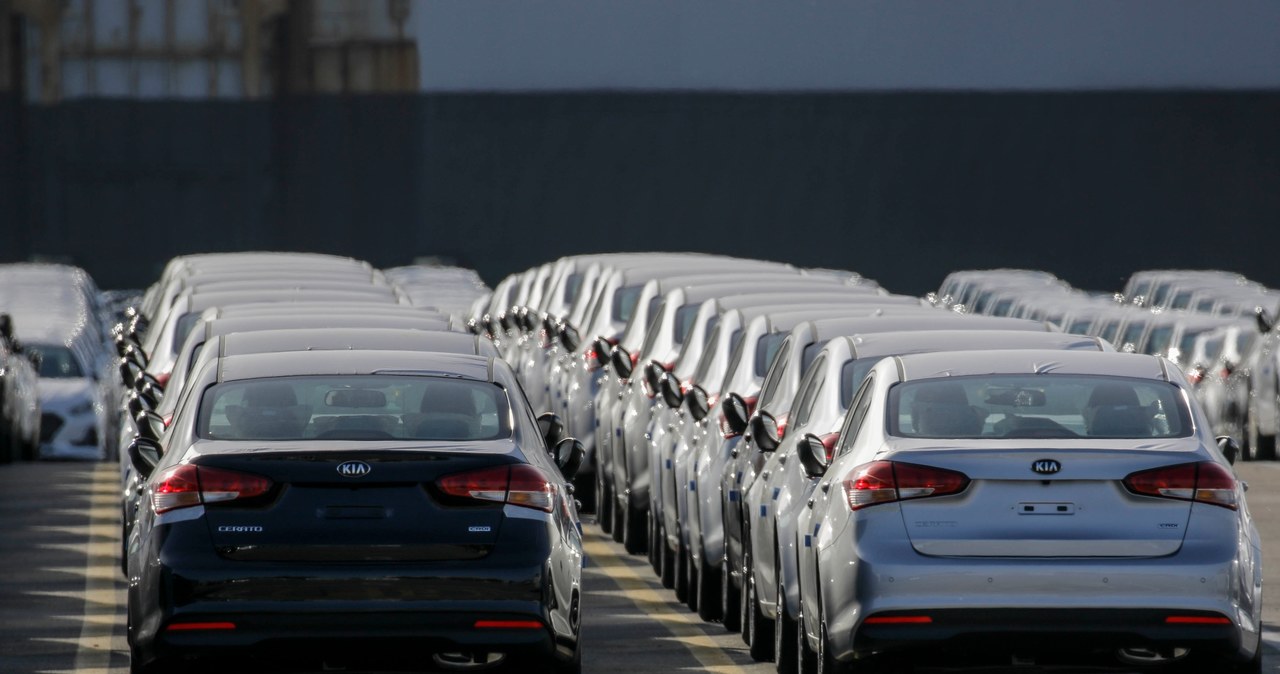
(355, 407)
(1037, 406)
(57, 362)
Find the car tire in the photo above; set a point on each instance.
(784, 627)
(155, 666)
(651, 547)
(708, 589)
(667, 565)
(730, 599)
(806, 659)
(681, 570)
(604, 503)
(760, 644)
(633, 530)
(691, 573)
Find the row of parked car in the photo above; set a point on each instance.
(1217, 326)
(853, 478)
(338, 462)
(56, 368)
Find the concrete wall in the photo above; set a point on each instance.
(901, 187)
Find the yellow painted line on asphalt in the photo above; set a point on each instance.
(686, 628)
(102, 582)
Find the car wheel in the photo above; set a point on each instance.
(651, 536)
(155, 666)
(667, 570)
(708, 589)
(806, 659)
(691, 573)
(604, 503)
(681, 570)
(730, 598)
(618, 528)
(761, 628)
(784, 627)
(633, 529)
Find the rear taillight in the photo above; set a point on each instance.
(520, 484)
(191, 485)
(887, 481)
(1196, 375)
(782, 420)
(1203, 482)
(163, 378)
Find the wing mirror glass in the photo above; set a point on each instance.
(602, 349)
(1264, 320)
(813, 456)
(621, 361)
(669, 386)
(764, 431)
(1230, 448)
(551, 427)
(653, 372)
(149, 424)
(736, 414)
(698, 403)
(570, 338)
(568, 455)
(144, 454)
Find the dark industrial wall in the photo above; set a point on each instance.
(901, 187)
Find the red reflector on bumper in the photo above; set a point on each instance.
(509, 624)
(898, 620)
(1196, 620)
(188, 627)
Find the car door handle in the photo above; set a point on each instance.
(825, 486)
(810, 504)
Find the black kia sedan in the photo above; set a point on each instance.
(355, 509)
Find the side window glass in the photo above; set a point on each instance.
(857, 415)
(769, 391)
(809, 387)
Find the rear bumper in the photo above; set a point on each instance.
(351, 637)
(1066, 632)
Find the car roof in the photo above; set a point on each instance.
(891, 343)
(223, 326)
(836, 327)
(353, 339)
(964, 363)
(299, 363)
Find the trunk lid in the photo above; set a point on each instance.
(1012, 509)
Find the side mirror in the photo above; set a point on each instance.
(505, 319)
(150, 425)
(551, 428)
(35, 358)
(144, 454)
(1230, 448)
(139, 403)
(150, 380)
(764, 431)
(621, 361)
(552, 326)
(669, 386)
(128, 373)
(135, 355)
(570, 338)
(568, 455)
(736, 413)
(601, 348)
(473, 326)
(6, 327)
(653, 372)
(698, 403)
(813, 456)
(1264, 320)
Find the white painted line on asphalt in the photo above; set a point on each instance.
(99, 637)
(685, 628)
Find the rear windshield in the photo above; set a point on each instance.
(355, 407)
(1037, 406)
(57, 362)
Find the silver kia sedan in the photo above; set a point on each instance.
(1029, 504)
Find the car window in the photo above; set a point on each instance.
(57, 362)
(766, 348)
(812, 382)
(355, 407)
(684, 322)
(857, 416)
(851, 376)
(772, 391)
(624, 302)
(1080, 326)
(1037, 406)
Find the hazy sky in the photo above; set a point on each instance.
(828, 44)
